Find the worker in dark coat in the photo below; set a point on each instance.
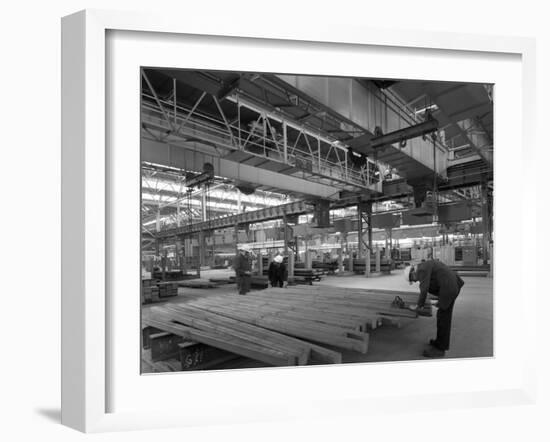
(243, 267)
(444, 283)
(277, 272)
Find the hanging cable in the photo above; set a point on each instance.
(189, 213)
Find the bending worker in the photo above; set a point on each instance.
(277, 272)
(439, 280)
(243, 267)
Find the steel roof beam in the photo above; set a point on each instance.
(189, 159)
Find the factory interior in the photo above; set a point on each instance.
(344, 183)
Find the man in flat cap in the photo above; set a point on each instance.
(441, 281)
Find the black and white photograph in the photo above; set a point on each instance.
(245, 221)
(292, 220)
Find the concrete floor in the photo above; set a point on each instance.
(472, 329)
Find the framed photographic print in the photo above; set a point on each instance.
(278, 222)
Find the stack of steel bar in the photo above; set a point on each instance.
(377, 303)
(271, 325)
(198, 283)
(238, 336)
(472, 270)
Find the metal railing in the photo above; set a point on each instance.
(316, 156)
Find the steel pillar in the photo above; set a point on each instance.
(291, 265)
(359, 231)
(308, 260)
(203, 205)
(367, 264)
(285, 233)
(236, 238)
(260, 264)
(340, 259)
(485, 220)
(202, 249)
(369, 228)
(350, 254)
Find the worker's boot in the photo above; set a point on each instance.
(433, 352)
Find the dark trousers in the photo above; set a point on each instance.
(444, 317)
(276, 282)
(243, 284)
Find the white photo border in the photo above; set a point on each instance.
(87, 200)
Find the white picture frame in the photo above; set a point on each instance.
(86, 211)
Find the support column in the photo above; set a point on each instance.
(203, 205)
(369, 228)
(308, 260)
(260, 264)
(340, 259)
(202, 249)
(485, 220)
(236, 238)
(291, 265)
(181, 255)
(359, 231)
(377, 259)
(177, 253)
(163, 265)
(367, 264)
(285, 233)
(213, 261)
(350, 255)
(285, 147)
(490, 274)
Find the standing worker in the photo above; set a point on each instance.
(243, 267)
(277, 273)
(439, 280)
